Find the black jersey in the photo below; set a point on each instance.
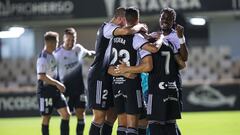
(127, 93)
(163, 99)
(102, 58)
(128, 49)
(165, 71)
(122, 50)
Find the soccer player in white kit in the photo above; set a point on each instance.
(49, 90)
(69, 57)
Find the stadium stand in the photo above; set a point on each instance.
(205, 65)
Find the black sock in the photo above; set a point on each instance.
(172, 129)
(80, 127)
(121, 130)
(45, 130)
(132, 131)
(178, 130)
(64, 127)
(95, 129)
(156, 129)
(141, 131)
(107, 128)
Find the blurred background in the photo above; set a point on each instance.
(212, 30)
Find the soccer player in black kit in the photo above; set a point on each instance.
(166, 63)
(100, 94)
(163, 100)
(128, 60)
(49, 90)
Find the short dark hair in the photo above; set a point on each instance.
(132, 15)
(120, 12)
(170, 11)
(70, 31)
(51, 36)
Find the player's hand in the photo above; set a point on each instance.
(61, 87)
(130, 75)
(91, 53)
(122, 68)
(140, 27)
(144, 28)
(180, 30)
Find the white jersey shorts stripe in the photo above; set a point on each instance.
(139, 98)
(149, 105)
(98, 92)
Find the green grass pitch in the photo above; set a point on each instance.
(194, 123)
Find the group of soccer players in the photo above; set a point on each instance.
(60, 81)
(123, 50)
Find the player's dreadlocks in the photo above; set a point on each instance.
(170, 11)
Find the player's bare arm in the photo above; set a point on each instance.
(130, 30)
(111, 71)
(49, 80)
(183, 46)
(146, 65)
(181, 63)
(153, 47)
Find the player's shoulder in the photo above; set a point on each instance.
(173, 35)
(138, 35)
(43, 54)
(109, 25)
(139, 38)
(42, 58)
(77, 47)
(58, 50)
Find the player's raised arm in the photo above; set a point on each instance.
(130, 30)
(181, 63)
(183, 46)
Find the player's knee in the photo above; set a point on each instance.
(46, 119)
(122, 120)
(132, 121)
(65, 113)
(142, 123)
(111, 117)
(99, 116)
(80, 113)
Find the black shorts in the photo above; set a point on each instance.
(163, 104)
(75, 95)
(166, 129)
(179, 86)
(99, 94)
(76, 101)
(48, 98)
(128, 96)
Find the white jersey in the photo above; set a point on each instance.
(138, 42)
(46, 64)
(108, 30)
(173, 38)
(67, 60)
